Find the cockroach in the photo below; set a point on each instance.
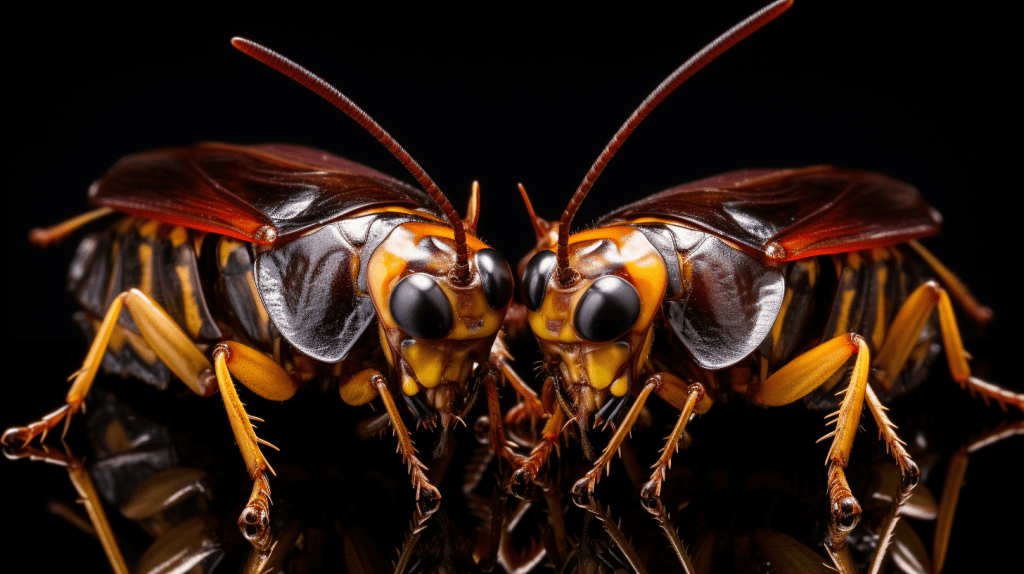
(773, 284)
(282, 265)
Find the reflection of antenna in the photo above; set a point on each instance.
(680, 75)
(340, 101)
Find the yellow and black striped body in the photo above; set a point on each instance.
(857, 292)
(206, 283)
(160, 260)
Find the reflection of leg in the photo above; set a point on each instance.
(805, 373)
(694, 393)
(170, 343)
(88, 497)
(91, 501)
(888, 527)
(954, 480)
(655, 507)
(905, 331)
(416, 468)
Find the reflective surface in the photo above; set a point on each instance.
(749, 486)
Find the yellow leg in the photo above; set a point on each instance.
(170, 343)
(44, 237)
(694, 394)
(906, 329)
(977, 311)
(255, 519)
(805, 373)
(258, 372)
(586, 484)
(416, 468)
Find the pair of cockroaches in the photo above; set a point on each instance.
(278, 265)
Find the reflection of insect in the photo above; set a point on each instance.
(771, 284)
(272, 263)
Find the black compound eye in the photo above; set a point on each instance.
(420, 307)
(495, 277)
(535, 278)
(608, 309)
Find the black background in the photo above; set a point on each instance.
(523, 95)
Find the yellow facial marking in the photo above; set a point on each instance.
(592, 253)
(426, 361)
(606, 362)
(621, 386)
(409, 385)
(403, 253)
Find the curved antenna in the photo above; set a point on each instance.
(566, 275)
(328, 92)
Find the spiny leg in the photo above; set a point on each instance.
(586, 484)
(694, 393)
(255, 519)
(528, 469)
(657, 509)
(887, 531)
(905, 331)
(805, 373)
(170, 343)
(379, 384)
(498, 443)
(887, 432)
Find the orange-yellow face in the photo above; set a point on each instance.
(433, 330)
(598, 330)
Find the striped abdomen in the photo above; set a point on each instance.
(858, 292)
(203, 281)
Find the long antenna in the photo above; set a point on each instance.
(340, 101)
(566, 275)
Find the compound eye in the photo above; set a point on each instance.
(535, 278)
(420, 307)
(608, 309)
(495, 277)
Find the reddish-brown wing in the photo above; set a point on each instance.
(795, 213)
(235, 190)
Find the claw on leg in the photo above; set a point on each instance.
(254, 521)
(845, 508)
(21, 436)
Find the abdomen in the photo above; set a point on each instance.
(203, 281)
